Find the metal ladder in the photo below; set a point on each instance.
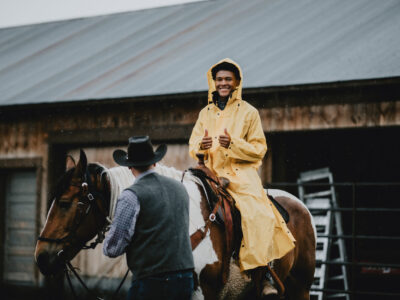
(327, 223)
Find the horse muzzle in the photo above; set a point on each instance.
(50, 263)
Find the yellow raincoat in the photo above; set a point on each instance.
(265, 234)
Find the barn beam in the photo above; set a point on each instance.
(158, 133)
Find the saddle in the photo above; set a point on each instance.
(220, 203)
(284, 213)
(224, 213)
(227, 215)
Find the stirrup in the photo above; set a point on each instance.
(268, 289)
(268, 286)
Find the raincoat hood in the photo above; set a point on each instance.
(237, 94)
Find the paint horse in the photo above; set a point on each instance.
(86, 195)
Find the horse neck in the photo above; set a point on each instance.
(170, 172)
(198, 203)
(121, 177)
(193, 185)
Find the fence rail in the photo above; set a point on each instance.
(351, 292)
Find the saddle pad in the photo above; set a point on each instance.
(281, 209)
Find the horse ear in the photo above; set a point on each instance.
(82, 163)
(69, 163)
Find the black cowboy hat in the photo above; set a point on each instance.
(140, 153)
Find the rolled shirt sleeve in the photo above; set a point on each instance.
(123, 226)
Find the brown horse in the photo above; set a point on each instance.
(84, 198)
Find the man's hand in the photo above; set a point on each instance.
(206, 142)
(225, 139)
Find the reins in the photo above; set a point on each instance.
(87, 188)
(201, 233)
(198, 236)
(72, 269)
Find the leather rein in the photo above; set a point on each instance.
(199, 235)
(88, 201)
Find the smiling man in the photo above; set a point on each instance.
(229, 132)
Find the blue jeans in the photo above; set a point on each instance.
(171, 286)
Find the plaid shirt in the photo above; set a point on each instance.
(123, 226)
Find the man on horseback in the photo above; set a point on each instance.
(228, 132)
(151, 224)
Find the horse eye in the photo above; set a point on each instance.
(65, 204)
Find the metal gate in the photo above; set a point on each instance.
(370, 215)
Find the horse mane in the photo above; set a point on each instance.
(121, 177)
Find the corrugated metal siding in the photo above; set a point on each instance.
(168, 50)
(20, 227)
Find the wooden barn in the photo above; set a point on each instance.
(324, 75)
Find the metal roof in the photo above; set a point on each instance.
(169, 50)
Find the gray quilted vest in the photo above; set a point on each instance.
(161, 242)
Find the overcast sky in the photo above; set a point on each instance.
(22, 12)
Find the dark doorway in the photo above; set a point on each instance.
(367, 162)
(356, 155)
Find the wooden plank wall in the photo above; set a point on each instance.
(330, 116)
(29, 134)
(177, 155)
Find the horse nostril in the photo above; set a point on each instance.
(48, 264)
(43, 260)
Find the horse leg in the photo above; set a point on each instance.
(299, 280)
(282, 268)
(209, 292)
(301, 275)
(297, 290)
(211, 280)
(283, 265)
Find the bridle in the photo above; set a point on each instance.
(88, 201)
(86, 204)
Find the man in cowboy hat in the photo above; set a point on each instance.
(147, 229)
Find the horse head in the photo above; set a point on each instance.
(78, 212)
